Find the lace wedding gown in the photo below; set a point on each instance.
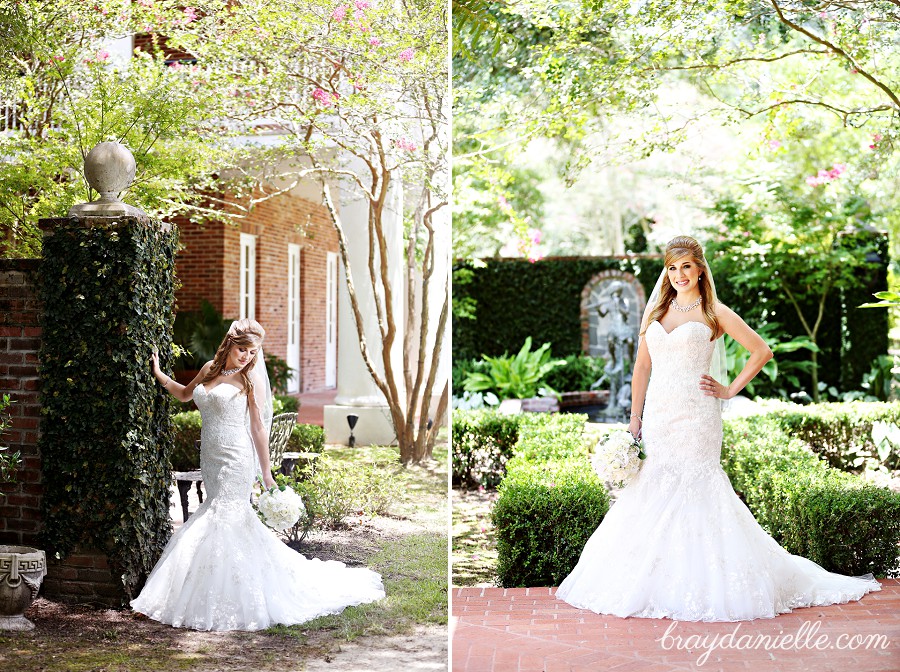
(224, 569)
(678, 543)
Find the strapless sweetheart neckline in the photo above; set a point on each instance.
(669, 333)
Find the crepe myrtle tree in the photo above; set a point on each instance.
(352, 91)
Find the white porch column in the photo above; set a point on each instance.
(356, 392)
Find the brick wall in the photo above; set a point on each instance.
(20, 312)
(208, 268)
(82, 576)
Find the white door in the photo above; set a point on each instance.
(248, 277)
(331, 320)
(293, 325)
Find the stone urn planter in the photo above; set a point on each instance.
(22, 570)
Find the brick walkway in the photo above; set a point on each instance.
(527, 629)
(312, 406)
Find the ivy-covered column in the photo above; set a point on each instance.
(108, 289)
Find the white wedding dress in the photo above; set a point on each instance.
(224, 569)
(678, 543)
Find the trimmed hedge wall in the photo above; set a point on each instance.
(108, 289)
(839, 432)
(824, 514)
(515, 299)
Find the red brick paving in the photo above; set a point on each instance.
(528, 629)
(312, 406)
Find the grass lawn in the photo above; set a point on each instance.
(408, 546)
(474, 539)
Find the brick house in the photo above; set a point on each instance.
(280, 267)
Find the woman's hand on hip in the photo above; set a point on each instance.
(713, 388)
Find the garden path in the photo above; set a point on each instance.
(525, 629)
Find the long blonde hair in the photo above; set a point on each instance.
(242, 333)
(677, 248)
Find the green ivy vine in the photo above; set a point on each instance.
(106, 436)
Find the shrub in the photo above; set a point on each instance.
(840, 432)
(482, 443)
(579, 373)
(306, 439)
(547, 437)
(288, 404)
(185, 456)
(279, 373)
(544, 516)
(336, 489)
(831, 517)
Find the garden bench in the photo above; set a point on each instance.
(282, 425)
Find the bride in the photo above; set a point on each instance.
(678, 543)
(224, 569)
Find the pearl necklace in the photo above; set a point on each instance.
(230, 371)
(686, 309)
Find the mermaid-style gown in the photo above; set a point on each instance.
(678, 543)
(224, 569)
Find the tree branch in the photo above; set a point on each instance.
(837, 50)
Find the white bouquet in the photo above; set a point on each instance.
(617, 457)
(281, 507)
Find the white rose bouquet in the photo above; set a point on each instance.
(617, 457)
(281, 507)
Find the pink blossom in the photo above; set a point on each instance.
(58, 59)
(503, 203)
(826, 176)
(535, 236)
(774, 144)
(374, 41)
(145, 3)
(339, 13)
(175, 65)
(190, 15)
(363, 28)
(324, 98)
(363, 5)
(102, 55)
(102, 10)
(407, 54)
(875, 140)
(405, 144)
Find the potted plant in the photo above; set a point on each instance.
(22, 568)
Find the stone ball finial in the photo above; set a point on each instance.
(109, 168)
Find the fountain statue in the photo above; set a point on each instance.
(621, 345)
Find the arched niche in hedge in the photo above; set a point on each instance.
(594, 327)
